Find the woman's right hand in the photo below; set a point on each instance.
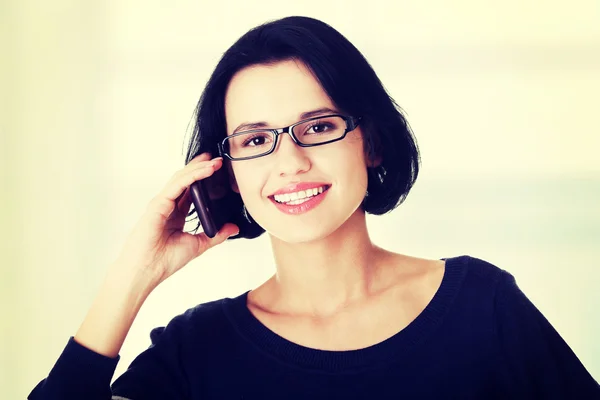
(157, 247)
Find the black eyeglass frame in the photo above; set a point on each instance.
(351, 124)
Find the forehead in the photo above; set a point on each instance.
(276, 94)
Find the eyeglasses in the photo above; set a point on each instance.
(306, 133)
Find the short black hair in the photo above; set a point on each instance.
(349, 81)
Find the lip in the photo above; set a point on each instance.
(308, 205)
(296, 187)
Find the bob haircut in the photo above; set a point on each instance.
(349, 81)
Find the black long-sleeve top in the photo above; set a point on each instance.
(479, 338)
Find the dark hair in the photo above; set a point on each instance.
(350, 82)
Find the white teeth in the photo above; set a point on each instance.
(296, 202)
(298, 197)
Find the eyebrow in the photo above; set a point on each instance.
(304, 115)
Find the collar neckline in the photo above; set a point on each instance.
(252, 329)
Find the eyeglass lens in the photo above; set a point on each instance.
(256, 143)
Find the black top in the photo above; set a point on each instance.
(478, 338)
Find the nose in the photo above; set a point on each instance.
(291, 158)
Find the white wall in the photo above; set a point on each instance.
(96, 98)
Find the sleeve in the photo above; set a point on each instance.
(539, 363)
(81, 373)
(77, 374)
(157, 373)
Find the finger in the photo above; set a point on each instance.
(198, 162)
(183, 204)
(177, 219)
(179, 200)
(164, 202)
(182, 200)
(226, 231)
(200, 157)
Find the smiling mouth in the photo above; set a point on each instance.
(299, 197)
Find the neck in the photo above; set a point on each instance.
(319, 278)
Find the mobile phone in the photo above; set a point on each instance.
(216, 204)
(203, 207)
(209, 197)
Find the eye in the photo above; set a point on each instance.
(256, 139)
(320, 127)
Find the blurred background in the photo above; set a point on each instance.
(96, 100)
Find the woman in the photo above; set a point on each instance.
(342, 317)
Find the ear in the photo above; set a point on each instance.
(376, 162)
(372, 156)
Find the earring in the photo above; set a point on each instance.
(380, 173)
(245, 212)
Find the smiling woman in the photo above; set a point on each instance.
(336, 159)
(309, 142)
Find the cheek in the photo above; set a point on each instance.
(358, 178)
(357, 172)
(354, 159)
(248, 182)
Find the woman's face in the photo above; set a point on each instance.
(278, 94)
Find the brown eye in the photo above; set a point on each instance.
(255, 140)
(320, 127)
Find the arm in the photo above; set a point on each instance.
(156, 249)
(86, 366)
(539, 363)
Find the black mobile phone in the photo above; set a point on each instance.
(210, 198)
(216, 204)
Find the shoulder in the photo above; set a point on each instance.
(459, 270)
(462, 275)
(471, 284)
(474, 271)
(461, 285)
(479, 268)
(197, 321)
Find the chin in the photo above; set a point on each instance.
(300, 235)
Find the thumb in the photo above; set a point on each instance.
(226, 231)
